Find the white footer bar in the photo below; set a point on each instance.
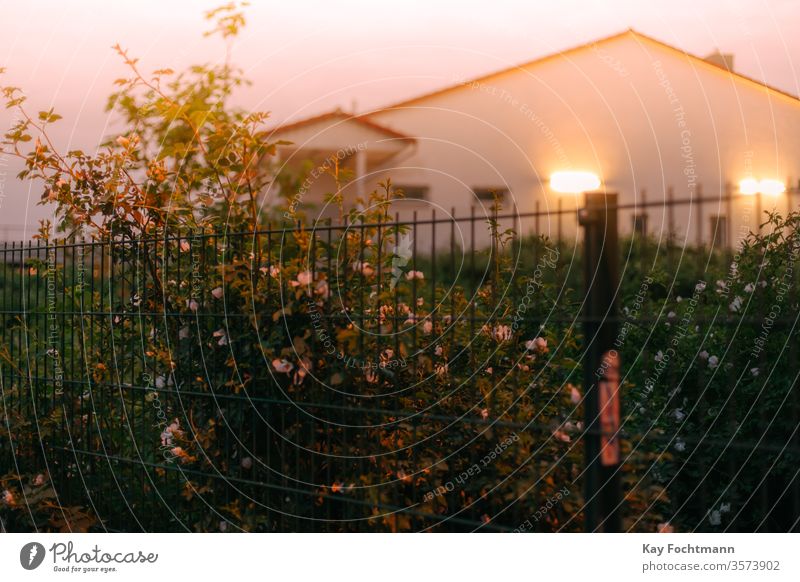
(356, 557)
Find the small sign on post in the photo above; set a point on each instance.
(609, 410)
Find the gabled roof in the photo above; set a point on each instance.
(717, 68)
(340, 115)
(364, 118)
(541, 60)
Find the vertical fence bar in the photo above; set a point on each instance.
(729, 212)
(643, 235)
(758, 212)
(670, 216)
(699, 201)
(559, 232)
(601, 362)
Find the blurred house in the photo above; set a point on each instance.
(626, 114)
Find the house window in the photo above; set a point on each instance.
(414, 192)
(719, 231)
(488, 194)
(640, 224)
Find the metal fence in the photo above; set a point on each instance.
(335, 377)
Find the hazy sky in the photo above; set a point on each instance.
(306, 56)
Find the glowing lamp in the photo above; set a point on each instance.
(749, 186)
(574, 182)
(771, 187)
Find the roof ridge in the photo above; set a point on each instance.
(567, 51)
(486, 76)
(365, 118)
(337, 112)
(722, 70)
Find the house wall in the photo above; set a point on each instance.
(642, 116)
(310, 153)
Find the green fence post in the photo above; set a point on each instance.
(601, 363)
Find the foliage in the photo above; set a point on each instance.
(712, 374)
(187, 158)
